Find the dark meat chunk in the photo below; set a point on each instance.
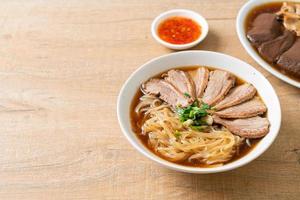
(264, 28)
(272, 49)
(289, 61)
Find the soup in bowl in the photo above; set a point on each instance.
(199, 111)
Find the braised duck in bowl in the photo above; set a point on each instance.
(270, 32)
(274, 30)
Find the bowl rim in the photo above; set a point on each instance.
(240, 22)
(182, 168)
(160, 17)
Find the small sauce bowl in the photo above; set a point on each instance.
(179, 13)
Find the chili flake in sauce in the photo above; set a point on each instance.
(179, 30)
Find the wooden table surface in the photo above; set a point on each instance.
(61, 68)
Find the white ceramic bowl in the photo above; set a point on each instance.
(207, 58)
(240, 27)
(183, 13)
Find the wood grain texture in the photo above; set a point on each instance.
(61, 68)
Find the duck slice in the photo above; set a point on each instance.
(272, 49)
(254, 127)
(220, 82)
(167, 92)
(247, 109)
(236, 96)
(265, 27)
(182, 81)
(200, 78)
(289, 61)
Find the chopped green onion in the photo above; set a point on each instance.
(177, 134)
(194, 112)
(187, 94)
(198, 128)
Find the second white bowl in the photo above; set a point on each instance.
(240, 27)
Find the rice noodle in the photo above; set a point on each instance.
(161, 125)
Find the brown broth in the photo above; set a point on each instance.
(136, 123)
(267, 8)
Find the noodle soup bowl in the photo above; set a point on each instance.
(199, 58)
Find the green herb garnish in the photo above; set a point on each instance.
(198, 128)
(213, 108)
(177, 134)
(187, 95)
(194, 112)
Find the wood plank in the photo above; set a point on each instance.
(61, 68)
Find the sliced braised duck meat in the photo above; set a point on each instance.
(254, 127)
(182, 81)
(289, 61)
(167, 92)
(265, 27)
(237, 95)
(200, 77)
(220, 82)
(272, 49)
(152, 86)
(247, 109)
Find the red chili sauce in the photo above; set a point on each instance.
(179, 30)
